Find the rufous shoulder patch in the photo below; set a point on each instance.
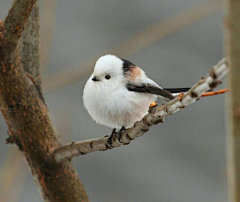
(134, 73)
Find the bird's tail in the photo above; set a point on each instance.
(177, 91)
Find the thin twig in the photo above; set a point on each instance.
(154, 117)
(133, 44)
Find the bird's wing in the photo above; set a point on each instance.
(139, 82)
(150, 88)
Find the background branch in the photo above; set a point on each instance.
(232, 25)
(48, 22)
(154, 117)
(29, 45)
(133, 44)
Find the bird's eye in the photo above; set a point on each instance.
(107, 77)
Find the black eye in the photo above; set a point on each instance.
(107, 77)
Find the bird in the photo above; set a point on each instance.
(119, 93)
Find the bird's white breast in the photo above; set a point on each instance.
(115, 108)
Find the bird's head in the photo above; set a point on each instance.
(109, 71)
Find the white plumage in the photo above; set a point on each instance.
(108, 100)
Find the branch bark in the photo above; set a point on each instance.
(29, 45)
(155, 116)
(232, 27)
(16, 20)
(29, 50)
(26, 115)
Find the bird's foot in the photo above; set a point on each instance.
(180, 96)
(110, 139)
(152, 106)
(119, 134)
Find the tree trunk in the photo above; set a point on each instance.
(232, 26)
(24, 110)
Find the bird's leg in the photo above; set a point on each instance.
(111, 136)
(119, 134)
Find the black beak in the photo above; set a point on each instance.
(95, 78)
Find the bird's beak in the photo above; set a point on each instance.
(95, 78)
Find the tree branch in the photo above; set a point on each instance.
(27, 117)
(29, 48)
(29, 45)
(16, 20)
(29, 51)
(154, 117)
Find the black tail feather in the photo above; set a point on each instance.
(179, 90)
(176, 90)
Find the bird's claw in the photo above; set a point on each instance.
(110, 139)
(117, 135)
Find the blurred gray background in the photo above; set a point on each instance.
(182, 160)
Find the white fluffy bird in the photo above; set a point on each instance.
(118, 93)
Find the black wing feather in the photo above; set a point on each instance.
(148, 88)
